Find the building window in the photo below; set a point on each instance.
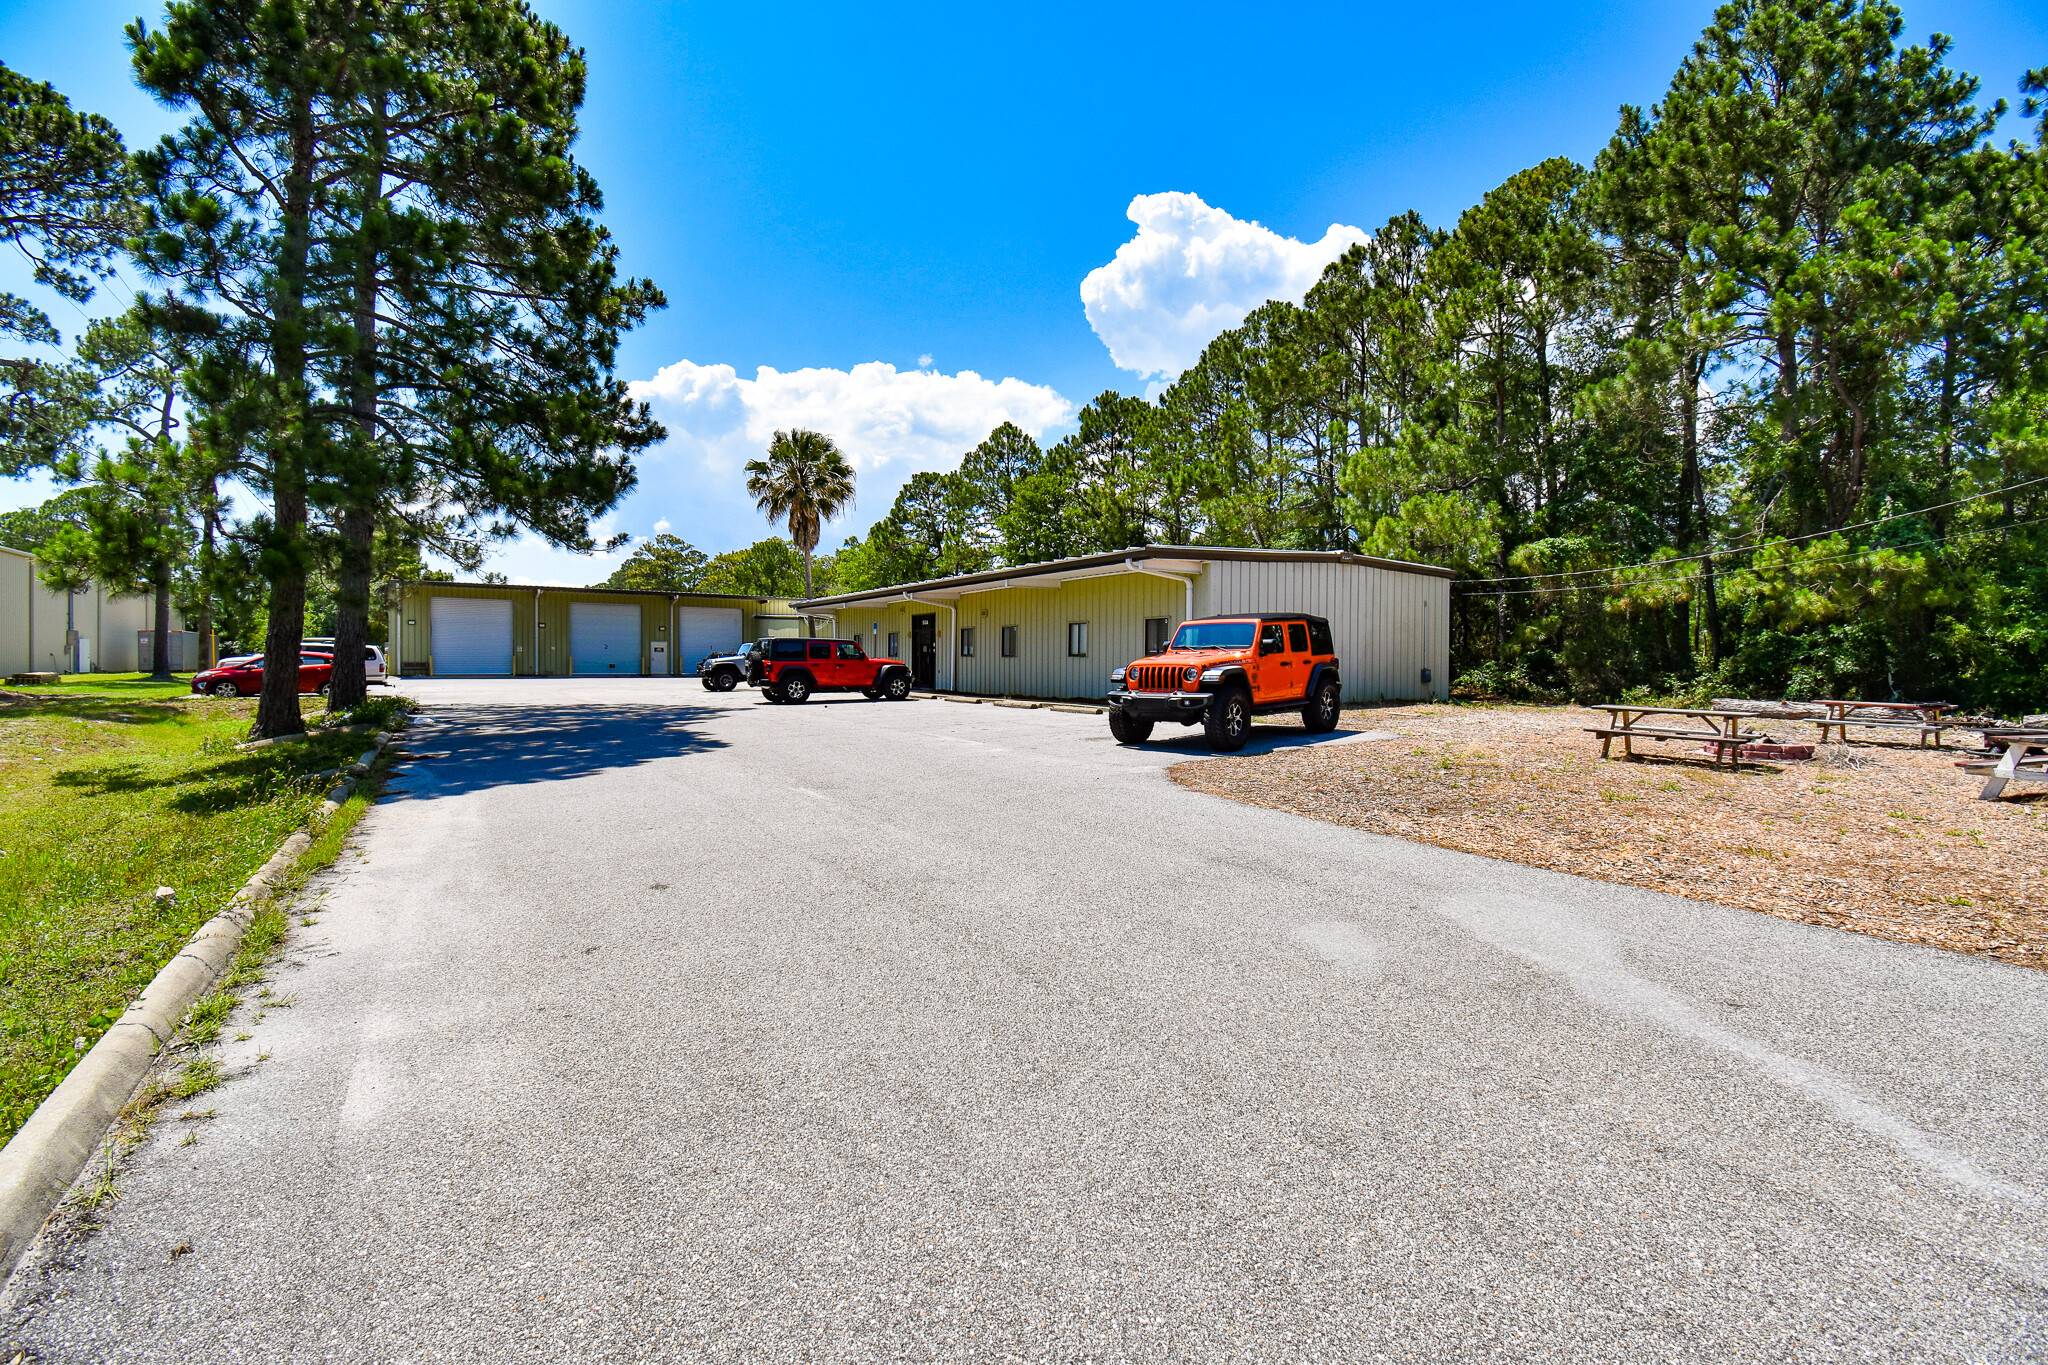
(1155, 634)
(967, 642)
(1077, 639)
(895, 650)
(1009, 642)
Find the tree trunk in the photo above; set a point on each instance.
(1693, 504)
(206, 650)
(160, 624)
(350, 687)
(277, 707)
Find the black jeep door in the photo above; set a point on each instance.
(924, 650)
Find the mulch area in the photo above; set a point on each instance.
(1879, 838)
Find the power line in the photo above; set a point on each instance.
(1747, 549)
(1733, 573)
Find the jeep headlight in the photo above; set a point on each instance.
(1116, 675)
(1190, 673)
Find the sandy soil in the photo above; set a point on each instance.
(1878, 838)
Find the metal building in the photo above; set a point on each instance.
(524, 630)
(46, 631)
(1055, 630)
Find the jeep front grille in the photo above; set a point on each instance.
(1153, 678)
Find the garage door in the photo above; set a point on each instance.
(705, 630)
(604, 637)
(471, 635)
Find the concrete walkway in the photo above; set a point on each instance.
(656, 1024)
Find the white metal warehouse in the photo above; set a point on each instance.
(1057, 629)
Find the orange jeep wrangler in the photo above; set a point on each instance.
(1222, 671)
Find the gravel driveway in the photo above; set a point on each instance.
(656, 1024)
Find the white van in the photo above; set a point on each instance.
(373, 657)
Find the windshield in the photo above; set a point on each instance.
(1214, 635)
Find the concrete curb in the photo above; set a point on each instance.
(42, 1159)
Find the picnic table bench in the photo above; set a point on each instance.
(2019, 763)
(1626, 723)
(1923, 717)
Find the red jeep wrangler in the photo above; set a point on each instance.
(791, 670)
(1224, 670)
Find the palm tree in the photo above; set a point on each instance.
(805, 481)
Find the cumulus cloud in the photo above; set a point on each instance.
(1192, 273)
(889, 422)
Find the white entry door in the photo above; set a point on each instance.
(604, 637)
(471, 635)
(703, 631)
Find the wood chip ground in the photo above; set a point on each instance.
(1875, 837)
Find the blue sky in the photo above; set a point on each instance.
(871, 203)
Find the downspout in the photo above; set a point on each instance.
(949, 644)
(536, 632)
(675, 644)
(1137, 566)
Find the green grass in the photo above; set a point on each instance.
(126, 685)
(108, 791)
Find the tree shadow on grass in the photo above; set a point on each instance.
(113, 710)
(232, 782)
(492, 746)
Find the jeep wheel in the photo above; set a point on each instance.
(1229, 722)
(1319, 717)
(727, 680)
(768, 691)
(897, 685)
(1128, 729)
(872, 693)
(796, 690)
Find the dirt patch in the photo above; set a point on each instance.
(1879, 838)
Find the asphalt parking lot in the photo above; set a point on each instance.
(648, 1023)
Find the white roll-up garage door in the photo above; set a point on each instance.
(471, 635)
(705, 630)
(604, 637)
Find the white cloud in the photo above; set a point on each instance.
(924, 362)
(891, 423)
(661, 526)
(888, 421)
(1192, 273)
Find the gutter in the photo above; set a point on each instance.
(1137, 566)
(952, 627)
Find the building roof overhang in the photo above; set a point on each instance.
(1157, 559)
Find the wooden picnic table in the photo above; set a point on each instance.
(1626, 723)
(1885, 715)
(2019, 763)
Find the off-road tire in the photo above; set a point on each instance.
(1228, 723)
(768, 690)
(897, 685)
(225, 688)
(1324, 707)
(727, 679)
(872, 693)
(796, 690)
(1128, 729)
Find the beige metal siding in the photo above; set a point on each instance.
(1387, 625)
(540, 646)
(1114, 607)
(17, 589)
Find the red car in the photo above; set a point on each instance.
(244, 678)
(791, 670)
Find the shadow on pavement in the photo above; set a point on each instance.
(1264, 740)
(466, 748)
